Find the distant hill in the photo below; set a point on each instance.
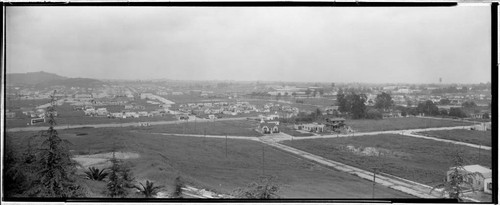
(49, 79)
(32, 78)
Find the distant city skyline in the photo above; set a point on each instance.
(368, 45)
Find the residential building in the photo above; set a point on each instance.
(477, 180)
(268, 127)
(311, 127)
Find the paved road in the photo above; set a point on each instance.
(449, 141)
(128, 124)
(212, 136)
(375, 133)
(450, 119)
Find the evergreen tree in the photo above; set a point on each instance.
(458, 179)
(55, 176)
(116, 186)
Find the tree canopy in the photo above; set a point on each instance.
(383, 101)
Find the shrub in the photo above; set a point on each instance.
(96, 174)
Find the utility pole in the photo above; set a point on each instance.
(373, 188)
(204, 135)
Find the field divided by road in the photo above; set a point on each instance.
(202, 162)
(401, 124)
(421, 160)
(461, 135)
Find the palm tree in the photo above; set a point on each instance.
(96, 174)
(149, 190)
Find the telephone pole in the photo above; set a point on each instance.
(263, 162)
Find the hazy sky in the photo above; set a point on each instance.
(409, 45)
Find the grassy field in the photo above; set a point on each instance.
(468, 136)
(12, 104)
(421, 160)
(400, 124)
(236, 128)
(202, 162)
(293, 132)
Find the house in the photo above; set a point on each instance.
(102, 111)
(268, 127)
(482, 127)
(90, 111)
(311, 127)
(270, 117)
(477, 181)
(131, 114)
(488, 185)
(330, 110)
(392, 114)
(335, 122)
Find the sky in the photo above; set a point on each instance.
(304, 44)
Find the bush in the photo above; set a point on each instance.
(373, 114)
(265, 188)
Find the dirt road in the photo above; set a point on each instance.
(62, 127)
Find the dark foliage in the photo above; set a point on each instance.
(149, 190)
(119, 178)
(55, 175)
(178, 185)
(428, 108)
(458, 181)
(96, 174)
(383, 101)
(265, 188)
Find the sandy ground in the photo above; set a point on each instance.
(102, 160)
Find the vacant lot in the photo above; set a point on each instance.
(468, 136)
(400, 124)
(203, 163)
(233, 127)
(288, 129)
(421, 160)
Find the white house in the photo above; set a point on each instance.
(268, 128)
(477, 181)
(488, 185)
